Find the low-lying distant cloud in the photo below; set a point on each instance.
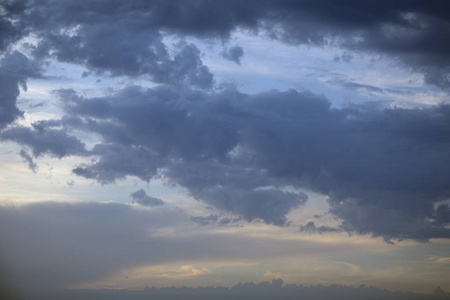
(53, 245)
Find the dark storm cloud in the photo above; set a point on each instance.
(15, 68)
(125, 38)
(383, 170)
(234, 53)
(140, 197)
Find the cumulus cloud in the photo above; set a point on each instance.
(140, 197)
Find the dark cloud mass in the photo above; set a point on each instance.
(385, 171)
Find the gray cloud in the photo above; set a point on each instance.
(29, 160)
(51, 141)
(234, 53)
(140, 197)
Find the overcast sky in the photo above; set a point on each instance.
(171, 143)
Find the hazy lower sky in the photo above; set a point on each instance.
(195, 142)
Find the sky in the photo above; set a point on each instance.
(211, 143)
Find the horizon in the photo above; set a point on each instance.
(263, 290)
